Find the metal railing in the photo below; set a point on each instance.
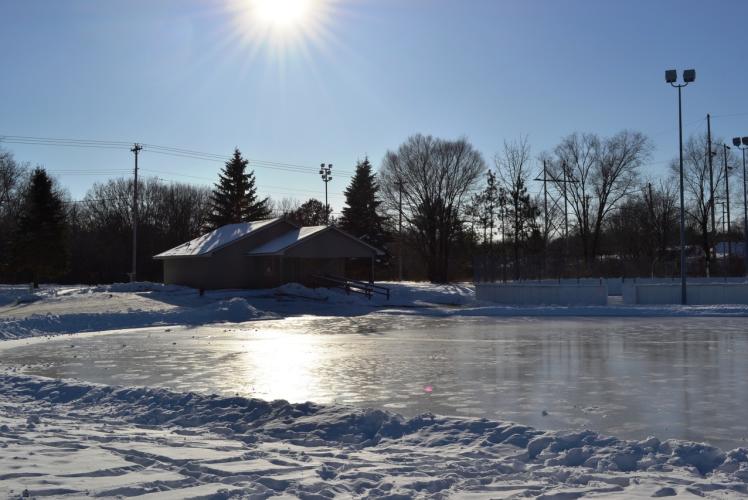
(353, 286)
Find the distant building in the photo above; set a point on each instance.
(263, 254)
(737, 247)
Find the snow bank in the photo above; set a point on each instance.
(135, 287)
(543, 293)
(234, 310)
(17, 294)
(317, 451)
(405, 294)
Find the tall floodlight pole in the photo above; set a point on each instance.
(136, 148)
(737, 141)
(325, 171)
(671, 77)
(727, 201)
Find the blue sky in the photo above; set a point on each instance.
(360, 79)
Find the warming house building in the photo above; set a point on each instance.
(265, 254)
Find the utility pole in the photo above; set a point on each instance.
(399, 184)
(742, 144)
(137, 148)
(545, 216)
(727, 201)
(710, 155)
(566, 207)
(545, 202)
(566, 219)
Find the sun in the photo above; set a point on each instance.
(283, 30)
(281, 13)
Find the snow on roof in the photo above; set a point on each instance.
(215, 239)
(290, 238)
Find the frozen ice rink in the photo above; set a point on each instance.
(684, 378)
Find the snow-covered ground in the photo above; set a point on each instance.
(73, 309)
(73, 439)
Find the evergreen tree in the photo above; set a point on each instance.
(41, 250)
(234, 198)
(361, 216)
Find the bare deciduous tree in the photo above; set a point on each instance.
(513, 168)
(696, 184)
(284, 206)
(437, 178)
(169, 214)
(602, 172)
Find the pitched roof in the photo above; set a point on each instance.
(291, 238)
(216, 239)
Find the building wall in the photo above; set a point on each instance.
(296, 270)
(229, 267)
(330, 244)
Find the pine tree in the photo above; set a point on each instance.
(234, 198)
(361, 216)
(41, 245)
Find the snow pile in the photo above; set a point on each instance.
(123, 441)
(406, 294)
(136, 287)
(13, 295)
(423, 293)
(296, 290)
(236, 310)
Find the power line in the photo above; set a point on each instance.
(155, 148)
(51, 139)
(730, 115)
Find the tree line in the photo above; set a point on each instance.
(585, 208)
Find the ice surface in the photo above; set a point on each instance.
(627, 377)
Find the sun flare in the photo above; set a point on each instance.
(281, 13)
(284, 30)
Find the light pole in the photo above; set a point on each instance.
(736, 141)
(325, 171)
(671, 77)
(726, 148)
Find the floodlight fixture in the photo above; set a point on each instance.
(745, 141)
(325, 172)
(671, 76)
(736, 141)
(689, 75)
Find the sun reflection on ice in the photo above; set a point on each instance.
(282, 366)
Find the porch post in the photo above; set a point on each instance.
(371, 270)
